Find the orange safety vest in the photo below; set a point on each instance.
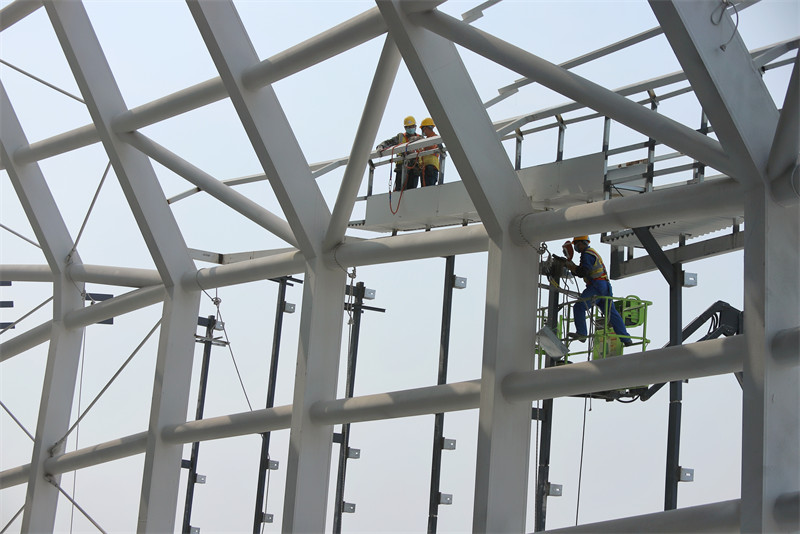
(598, 271)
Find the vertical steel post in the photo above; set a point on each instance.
(344, 446)
(562, 129)
(201, 401)
(263, 467)
(651, 147)
(675, 393)
(438, 425)
(545, 437)
(518, 150)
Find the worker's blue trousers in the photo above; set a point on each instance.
(601, 288)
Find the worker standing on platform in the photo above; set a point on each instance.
(412, 166)
(430, 162)
(594, 273)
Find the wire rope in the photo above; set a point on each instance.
(17, 421)
(5, 528)
(31, 241)
(586, 400)
(77, 429)
(9, 326)
(52, 481)
(108, 384)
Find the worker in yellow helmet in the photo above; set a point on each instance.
(413, 166)
(594, 273)
(430, 162)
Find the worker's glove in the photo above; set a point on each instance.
(380, 147)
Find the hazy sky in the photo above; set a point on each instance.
(154, 49)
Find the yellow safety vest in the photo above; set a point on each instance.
(598, 272)
(431, 159)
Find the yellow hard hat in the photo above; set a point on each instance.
(427, 122)
(581, 238)
(409, 121)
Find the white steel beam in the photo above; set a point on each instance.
(725, 80)
(308, 470)
(771, 374)
(63, 355)
(16, 11)
(694, 360)
(306, 496)
(783, 167)
(135, 173)
(504, 428)
(385, 73)
(665, 130)
(166, 245)
(227, 195)
(265, 123)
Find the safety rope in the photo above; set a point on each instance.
(52, 481)
(54, 449)
(15, 323)
(404, 183)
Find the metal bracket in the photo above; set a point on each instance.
(554, 490)
(348, 507)
(353, 454)
(445, 498)
(686, 474)
(689, 279)
(288, 307)
(459, 282)
(199, 479)
(448, 444)
(267, 518)
(194, 530)
(273, 465)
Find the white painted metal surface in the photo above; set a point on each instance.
(510, 212)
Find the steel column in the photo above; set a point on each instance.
(63, 354)
(263, 466)
(438, 423)
(350, 384)
(545, 415)
(191, 480)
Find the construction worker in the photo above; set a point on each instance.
(594, 273)
(412, 166)
(430, 162)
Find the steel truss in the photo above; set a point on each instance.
(757, 149)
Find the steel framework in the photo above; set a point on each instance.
(757, 149)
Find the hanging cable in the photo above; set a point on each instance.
(233, 359)
(586, 400)
(17, 421)
(724, 4)
(15, 323)
(68, 259)
(52, 481)
(5, 528)
(77, 428)
(217, 301)
(58, 443)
